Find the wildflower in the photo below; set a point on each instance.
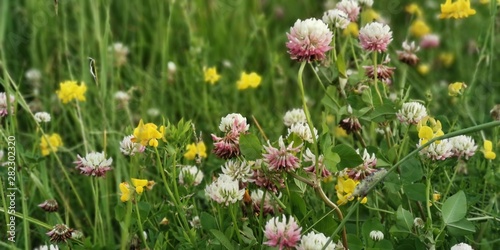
(282, 158)
(34, 76)
(352, 29)
(147, 134)
(60, 233)
(70, 90)
(225, 190)
(375, 37)
(266, 203)
(153, 112)
(232, 122)
(463, 146)
(195, 222)
(125, 190)
(310, 157)
(345, 188)
(251, 80)
(365, 169)
(190, 175)
(196, 150)
(122, 96)
(350, 7)
(419, 223)
(139, 184)
(407, 55)
(120, 53)
(495, 112)
(309, 40)
(461, 246)
(431, 128)
(4, 106)
(238, 170)
(456, 9)
(164, 221)
(50, 143)
(413, 9)
(303, 132)
(171, 68)
(47, 247)
(438, 150)
(411, 113)
(419, 28)
(294, 116)
(93, 164)
(488, 150)
(436, 196)
(336, 18)
(211, 75)
(369, 15)
(429, 41)
(42, 117)
(282, 234)
(384, 72)
(376, 235)
(446, 58)
(455, 89)
(49, 205)
(340, 132)
(423, 68)
(269, 180)
(315, 241)
(350, 123)
(129, 147)
(226, 147)
(367, 3)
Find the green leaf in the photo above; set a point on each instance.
(207, 221)
(404, 219)
(341, 65)
(415, 191)
(411, 171)
(120, 210)
(461, 227)
(331, 160)
(327, 101)
(454, 208)
(348, 156)
(250, 147)
(354, 242)
(222, 238)
(144, 209)
(383, 244)
(384, 112)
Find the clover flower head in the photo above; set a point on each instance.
(49, 205)
(336, 18)
(171, 67)
(463, 146)
(376, 235)
(270, 180)
(282, 158)
(33, 75)
(430, 41)
(310, 157)
(411, 113)
(4, 111)
(190, 175)
(438, 150)
(60, 233)
(365, 169)
(461, 246)
(313, 241)
(120, 52)
(407, 55)
(94, 164)
(225, 190)
(302, 131)
(129, 147)
(367, 3)
(47, 247)
(280, 233)
(270, 206)
(234, 121)
(384, 72)
(122, 96)
(251, 80)
(375, 36)
(238, 170)
(226, 147)
(42, 117)
(294, 116)
(351, 7)
(309, 40)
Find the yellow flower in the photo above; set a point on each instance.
(419, 28)
(194, 149)
(345, 187)
(414, 9)
(69, 90)
(488, 150)
(425, 133)
(436, 196)
(211, 75)
(50, 143)
(456, 88)
(423, 68)
(147, 134)
(429, 128)
(340, 132)
(124, 189)
(446, 58)
(457, 9)
(139, 184)
(369, 15)
(251, 80)
(351, 30)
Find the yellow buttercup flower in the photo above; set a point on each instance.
(419, 28)
(488, 150)
(70, 90)
(414, 9)
(456, 9)
(125, 190)
(194, 149)
(352, 29)
(251, 80)
(139, 184)
(345, 187)
(147, 134)
(211, 75)
(455, 89)
(50, 143)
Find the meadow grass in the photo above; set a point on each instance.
(59, 37)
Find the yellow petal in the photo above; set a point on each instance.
(488, 145)
(425, 132)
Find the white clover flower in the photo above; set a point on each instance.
(128, 147)
(234, 121)
(461, 246)
(153, 112)
(195, 222)
(315, 241)
(33, 75)
(193, 173)
(4, 106)
(463, 146)
(238, 170)
(171, 67)
(294, 116)
(120, 52)
(42, 117)
(336, 18)
(419, 223)
(351, 7)
(411, 113)
(375, 36)
(369, 161)
(368, 3)
(122, 96)
(376, 235)
(94, 164)
(439, 150)
(302, 130)
(225, 190)
(269, 205)
(47, 247)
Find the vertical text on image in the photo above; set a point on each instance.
(11, 187)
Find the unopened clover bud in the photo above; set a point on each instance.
(376, 235)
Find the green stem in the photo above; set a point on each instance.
(375, 72)
(125, 227)
(139, 223)
(235, 222)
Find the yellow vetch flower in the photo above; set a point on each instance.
(446, 58)
(194, 149)
(125, 190)
(419, 28)
(425, 133)
(352, 29)
(429, 128)
(345, 187)
(251, 80)
(50, 143)
(211, 75)
(488, 150)
(147, 134)
(456, 88)
(139, 184)
(69, 90)
(423, 68)
(414, 9)
(436, 196)
(456, 9)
